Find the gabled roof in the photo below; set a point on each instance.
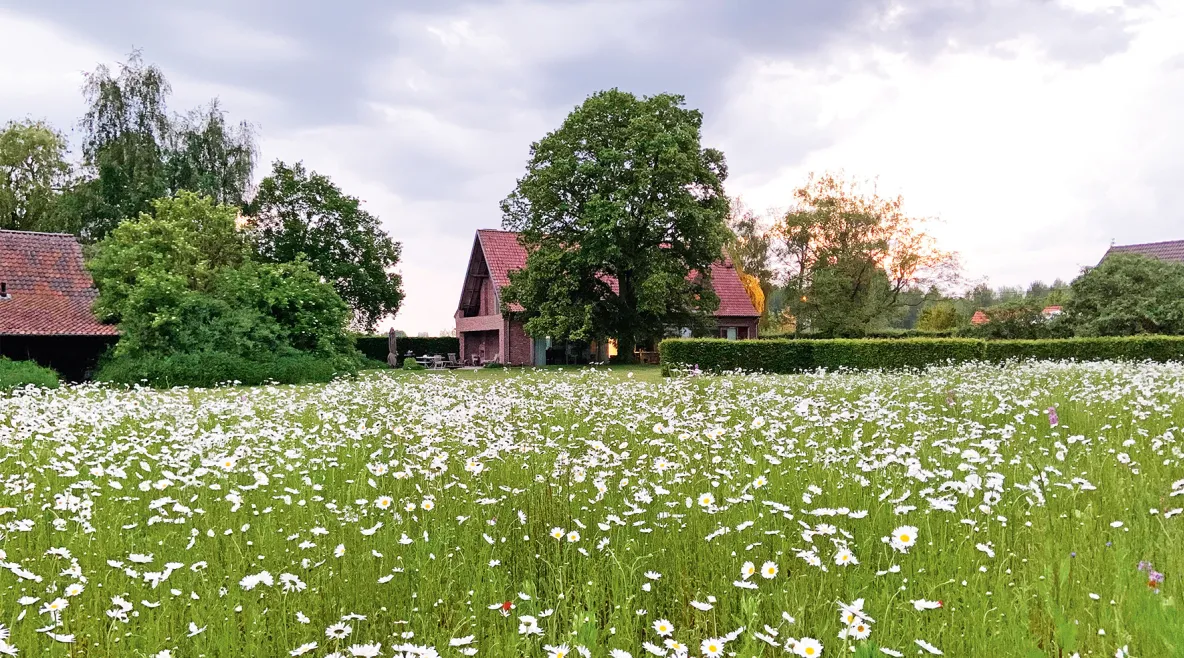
(50, 293)
(1172, 250)
(504, 254)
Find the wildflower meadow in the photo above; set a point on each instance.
(977, 510)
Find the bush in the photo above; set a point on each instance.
(375, 347)
(1018, 320)
(205, 369)
(15, 374)
(411, 364)
(883, 333)
(187, 293)
(870, 354)
(493, 364)
(803, 355)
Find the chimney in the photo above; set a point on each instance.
(3, 290)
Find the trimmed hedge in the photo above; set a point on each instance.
(714, 354)
(895, 334)
(15, 374)
(208, 369)
(375, 347)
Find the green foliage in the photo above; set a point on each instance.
(885, 333)
(33, 170)
(301, 213)
(182, 282)
(622, 189)
(411, 364)
(942, 316)
(376, 347)
(206, 369)
(16, 374)
(1128, 294)
(134, 152)
(207, 156)
(1019, 320)
(853, 259)
(782, 356)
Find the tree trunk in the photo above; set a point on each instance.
(625, 347)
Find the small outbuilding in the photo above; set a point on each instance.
(47, 303)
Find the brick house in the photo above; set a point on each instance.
(46, 303)
(486, 334)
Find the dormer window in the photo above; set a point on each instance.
(3, 290)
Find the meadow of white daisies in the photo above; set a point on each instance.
(593, 514)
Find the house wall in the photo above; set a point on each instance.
(748, 324)
(487, 301)
(520, 348)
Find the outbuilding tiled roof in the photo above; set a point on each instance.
(504, 254)
(49, 292)
(1172, 250)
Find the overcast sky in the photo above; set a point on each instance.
(1036, 131)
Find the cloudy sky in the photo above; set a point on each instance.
(1035, 131)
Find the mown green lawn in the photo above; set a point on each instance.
(601, 512)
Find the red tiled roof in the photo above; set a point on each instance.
(1172, 250)
(979, 318)
(504, 254)
(50, 293)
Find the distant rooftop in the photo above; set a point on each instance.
(1172, 250)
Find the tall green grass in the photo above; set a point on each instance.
(478, 471)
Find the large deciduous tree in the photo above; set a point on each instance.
(300, 212)
(134, 151)
(33, 171)
(851, 257)
(622, 212)
(1128, 294)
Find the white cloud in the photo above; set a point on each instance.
(212, 37)
(1033, 165)
(42, 75)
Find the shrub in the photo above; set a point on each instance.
(15, 374)
(493, 364)
(717, 354)
(870, 354)
(205, 369)
(411, 364)
(882, 333)
(187, 293)
(1018, 320)
(803, 355)
(375, 347)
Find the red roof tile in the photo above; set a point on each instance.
(1172, 250)
(504, 254)
(50, 293)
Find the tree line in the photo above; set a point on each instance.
(189, 253)
(134, 152)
